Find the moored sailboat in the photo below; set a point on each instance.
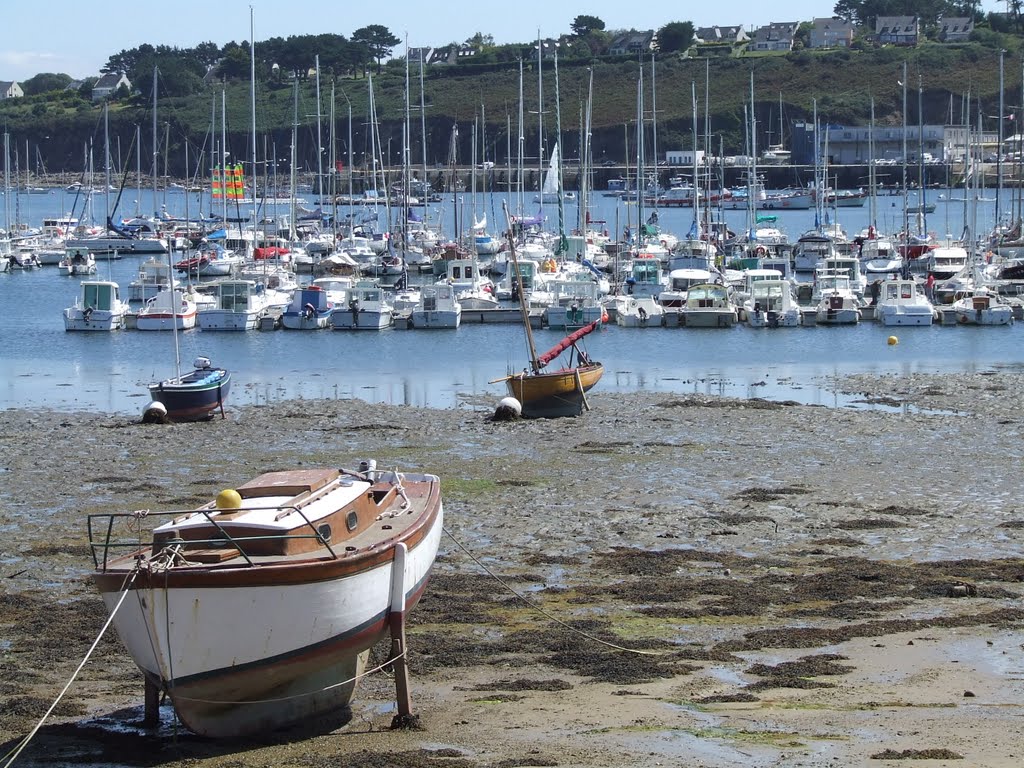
(552, 393)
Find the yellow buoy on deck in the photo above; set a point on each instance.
(229, 498)
(893, 341)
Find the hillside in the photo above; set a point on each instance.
(58, 128)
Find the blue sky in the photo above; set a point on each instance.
(77, 37)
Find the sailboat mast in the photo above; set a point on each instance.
(252, 116)
(640, 156)
(292, 166)
(521, 147)
(423, 137)
(510, 237)
(872, 181)
(156, 148)
(175, 308)
(923, 213)
(7, 181)
(333, 159)
(540, 117)
(563, 243)
(586, 158)
(695, 229)
(106, 157)
(906, 210)
(319, 137)
(138, 169)
(654, 134)
(999, 144)
(223, 151)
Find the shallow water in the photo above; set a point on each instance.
(45, 366)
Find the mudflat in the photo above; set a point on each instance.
(666, 580)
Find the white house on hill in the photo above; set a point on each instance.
(10, 90)
(108, 84)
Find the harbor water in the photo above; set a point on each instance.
(44, 366)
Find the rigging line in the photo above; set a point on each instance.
(531, 604)
(13, 754)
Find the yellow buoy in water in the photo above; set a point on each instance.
(229, 498)
(893, 341)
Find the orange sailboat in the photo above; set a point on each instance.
(546, 393)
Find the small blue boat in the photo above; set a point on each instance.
(193, 396)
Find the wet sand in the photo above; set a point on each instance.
(808, 586)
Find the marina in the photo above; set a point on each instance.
(453, 368)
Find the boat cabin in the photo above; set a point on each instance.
(946, 261)
(707, 296)
(277, 514)
(100, 295)
(644, 277)
(770, 295)
(237, 295)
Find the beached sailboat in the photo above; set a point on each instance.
(258, 610)
(551, 393)
(197, 395)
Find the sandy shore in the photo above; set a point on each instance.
(793, 585)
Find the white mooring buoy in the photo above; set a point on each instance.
(155, 413)
(509, 409)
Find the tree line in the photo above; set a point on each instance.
(186, 71)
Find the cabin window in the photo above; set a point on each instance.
(324, 530)
(97, 296)
(352, 521)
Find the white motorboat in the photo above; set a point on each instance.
(708, 305)
(241, 304)
(367, 308)
(771, 304)
(834, 299)
(437, 308)
(982, 306)
(902, 302)
(574, 303)
(472, 289)
(77, 261)
(97, 308)
(170, 308)
(309, 309)
(637, 312)
(810, 249)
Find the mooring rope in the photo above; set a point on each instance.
(125, 589)
(547, 614)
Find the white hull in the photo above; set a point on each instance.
(846, 316)
(631, 312)
(436, 318)
(998, 315)
(770, 319)
(893, 316)
(76, 269)
(76, 319)
(300, 322)
(165, 322)
(365, 319)
(225, 320)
